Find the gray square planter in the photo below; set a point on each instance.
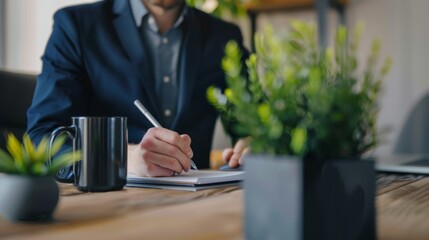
(287, 198)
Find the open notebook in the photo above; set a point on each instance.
(191, 181)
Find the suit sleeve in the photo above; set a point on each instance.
(62, 87)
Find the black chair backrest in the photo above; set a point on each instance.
(16, 94)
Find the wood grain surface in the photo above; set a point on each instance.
(79, 211)
(136, 213)
(403, 207)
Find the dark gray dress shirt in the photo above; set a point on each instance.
(164, 51)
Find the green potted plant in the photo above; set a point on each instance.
(311, 117)
(28, 190)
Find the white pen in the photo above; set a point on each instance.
(155, 123)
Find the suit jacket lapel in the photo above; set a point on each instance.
(189, 64)
(131, 41)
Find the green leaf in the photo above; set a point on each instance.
(216, 98)
(41, 153)
(14, 147)
(27, 159)
(299, 138)
(28, 147)
(264, 113)
(39, 169)
(276, 129)
(58, 143)
(7, 164)
(66, 159)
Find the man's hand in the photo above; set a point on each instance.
(234, 156)
(161, 152)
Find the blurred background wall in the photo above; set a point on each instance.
(2, 32)
(27, 26)
(401, 25)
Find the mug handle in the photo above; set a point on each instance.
(71, 133)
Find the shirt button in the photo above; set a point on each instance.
(166, 79)
(167, 112)
(165, 40)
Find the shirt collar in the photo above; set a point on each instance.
(139, 11)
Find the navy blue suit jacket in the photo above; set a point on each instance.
(96, 65)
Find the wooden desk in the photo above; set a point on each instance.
(402, 213)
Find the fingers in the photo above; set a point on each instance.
(234, 156)
(183, 142)
(137, 166)
(164, 161)
(245, 151)
(154, 170)
(227, 154)
(166, 149)
(187, 139)
(234, 161)
(145, 169)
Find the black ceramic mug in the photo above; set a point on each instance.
(103, 145)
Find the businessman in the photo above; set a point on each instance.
(103, 56)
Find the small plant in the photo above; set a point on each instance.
(28, 159)
(299, 99)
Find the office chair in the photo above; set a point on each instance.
(16, 94)
(414, 135)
